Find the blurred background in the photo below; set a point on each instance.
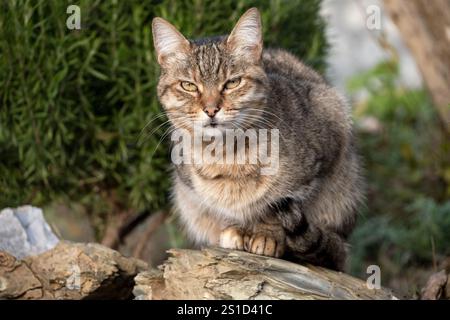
(83, 137)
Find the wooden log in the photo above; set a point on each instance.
(437, 287)
(216, 273)
(69, 271)
(47, 268)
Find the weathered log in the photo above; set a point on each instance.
(69, 271)
(216, 273)
(437, 287)
(92, 271)
(34, 264)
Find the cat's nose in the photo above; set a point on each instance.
(211, 110)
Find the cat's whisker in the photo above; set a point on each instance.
(254, 120)
(252, 123)
(156, 117)
(167, 122)
(256, 117)
(266, 112)
(166, 133)
(153, 131)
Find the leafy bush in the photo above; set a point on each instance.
(74, 103)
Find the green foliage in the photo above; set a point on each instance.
(407, 218)
(403, 242)
(74, 103)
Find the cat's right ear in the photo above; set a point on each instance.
(246, 38)
(168, 41)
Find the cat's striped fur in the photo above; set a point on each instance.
(306, 211)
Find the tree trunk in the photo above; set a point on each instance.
(425, 26)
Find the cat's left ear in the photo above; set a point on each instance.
(169, 42)
(246, 38)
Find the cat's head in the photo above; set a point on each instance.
(214, 83)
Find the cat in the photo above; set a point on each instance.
(308, 208)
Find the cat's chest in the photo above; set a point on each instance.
(233, 187)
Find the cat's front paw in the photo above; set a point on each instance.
(267, 243)
(232, 238)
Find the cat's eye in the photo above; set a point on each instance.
(233, 83)
(188, 86)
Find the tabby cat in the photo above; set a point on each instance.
(306, 210)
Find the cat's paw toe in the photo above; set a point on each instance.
(266, 244)
(232, 238)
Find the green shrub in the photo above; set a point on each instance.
(74, 103)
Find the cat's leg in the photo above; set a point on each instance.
(305, 240)
(323, 247)
(233, 237)
(266, 238)
(202, 227)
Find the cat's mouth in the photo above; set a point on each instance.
(211, 124)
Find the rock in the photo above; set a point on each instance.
(216, 273)
(69, 271)
(24, 232)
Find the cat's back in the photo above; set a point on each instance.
(301, 97)
(283, 65)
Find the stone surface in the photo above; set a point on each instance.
(24, 232)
